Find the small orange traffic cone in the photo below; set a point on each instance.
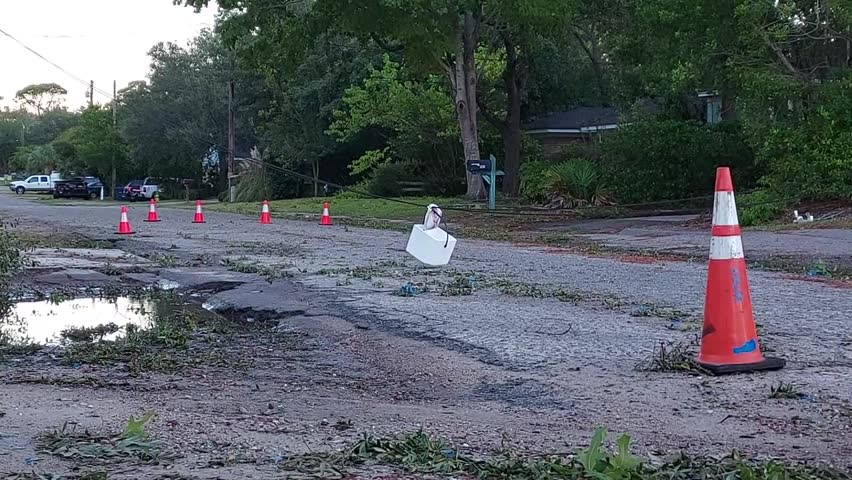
(265, 217)
(729, 337)
(124, 223)
(152, 212)
(199, 215)
(326, 218)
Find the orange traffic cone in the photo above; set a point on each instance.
(729, 338)
(199, 215)
(326, 218)
(124, 223)
(152, 212)
(265, 217)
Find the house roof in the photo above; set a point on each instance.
(577, 119)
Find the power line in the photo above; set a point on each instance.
(53, 64)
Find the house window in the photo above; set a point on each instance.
(714, 110)
(712, 106)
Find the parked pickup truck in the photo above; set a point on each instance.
(33, 183)
(82, 187)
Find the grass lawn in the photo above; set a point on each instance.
(388, 215)
(364, 208)
(104, 203)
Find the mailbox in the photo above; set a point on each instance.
(487, 168)
(481, 167)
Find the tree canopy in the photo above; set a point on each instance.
(383, 92)
(42, 97)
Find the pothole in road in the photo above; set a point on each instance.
(52, 322)
(153, 331)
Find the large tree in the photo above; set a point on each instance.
(297, 121)
(416, 119)
(10, 138)
(434, 35)
(782, 68)
(41, 97)
(514, 33)
(20, 128)
(180, 115)
(94, 147)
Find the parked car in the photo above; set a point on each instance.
(33, 183)
(82, 187)
(141, 189)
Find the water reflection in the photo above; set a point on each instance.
(43, 322)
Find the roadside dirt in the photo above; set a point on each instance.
(323, 350)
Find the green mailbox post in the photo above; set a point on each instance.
(488, 169)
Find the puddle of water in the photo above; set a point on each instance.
(43, 322)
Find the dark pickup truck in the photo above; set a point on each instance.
(81, 187)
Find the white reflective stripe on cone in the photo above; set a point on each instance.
(726, 248)
(152, 208)
(725, 209)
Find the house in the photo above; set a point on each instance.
(587, 124)
(578, 125)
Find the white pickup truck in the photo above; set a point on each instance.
(33, 183)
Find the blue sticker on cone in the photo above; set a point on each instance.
(747, 347)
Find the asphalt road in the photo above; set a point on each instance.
(558, 366)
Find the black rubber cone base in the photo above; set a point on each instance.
(768, 363)
(151, 221)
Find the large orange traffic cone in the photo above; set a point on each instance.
(124, 223)
(152, 212)
(265, 217)
(326, 218)
(729, 338)
(199, 215)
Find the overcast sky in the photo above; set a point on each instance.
(100, 40)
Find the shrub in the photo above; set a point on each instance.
(577, 183)
(760, 207)
(254, 186)
(11, 262)
(386, 178)
(805, 145)
(670, 159)
(11, 258)
(534, 180)
(354, 191)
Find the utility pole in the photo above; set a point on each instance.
(232, 140)
(114, 123)
(91, 93)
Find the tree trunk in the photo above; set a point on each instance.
(512, 161)
(512, 128)
(464, 84)
(315, 168)
(112, 185)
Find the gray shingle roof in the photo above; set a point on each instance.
(576, 118)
